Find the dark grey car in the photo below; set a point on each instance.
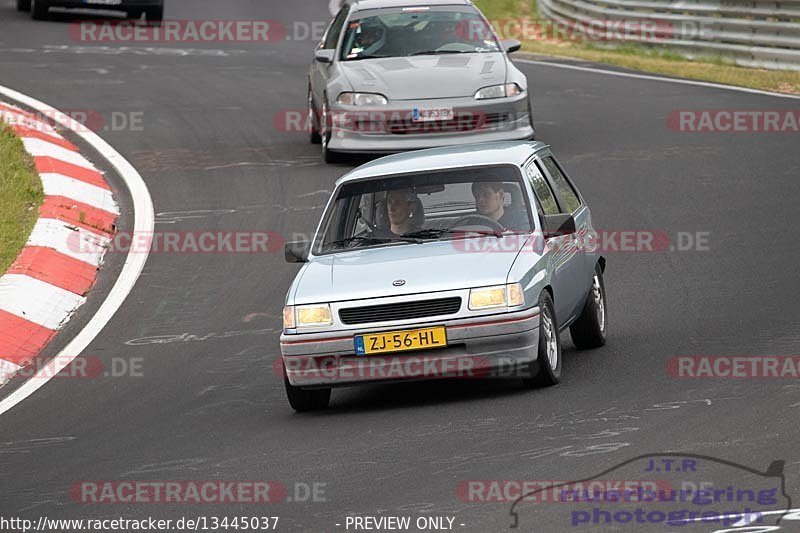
(152, 9)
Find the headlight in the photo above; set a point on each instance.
(498, 91)
(510, 295)
(362, 99)
(306, 315)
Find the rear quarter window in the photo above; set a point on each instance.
(542, 190)
(569, 197)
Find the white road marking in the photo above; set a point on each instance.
(134, 263)
(37, 301)
(77, 243)
(7, 369)
(20, 119)
(656, 78)
(60, 185)
(40, 148)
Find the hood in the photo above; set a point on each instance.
(426, 77)
(428, 267)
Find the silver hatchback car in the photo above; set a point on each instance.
(450, 262)
(394, 75)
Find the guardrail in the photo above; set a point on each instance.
(755, 33)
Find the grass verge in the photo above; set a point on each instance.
(642, 58)
(20, 196)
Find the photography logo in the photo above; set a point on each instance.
(685, 491)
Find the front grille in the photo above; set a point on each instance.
(400, 311)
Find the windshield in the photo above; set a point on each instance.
(418, 208)
(417, 31)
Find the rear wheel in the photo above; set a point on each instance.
(154, 15)
(548, 359)
(303, 400)
(39, 9)
(24, 5)
(589, 330)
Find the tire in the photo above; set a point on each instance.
(303, 400)
(325, 137)
(549, 341)
(39, 9)
(314, 135)
(154, 15)
(589, 330)
(24, 5)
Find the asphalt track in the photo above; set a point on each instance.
(208, 405)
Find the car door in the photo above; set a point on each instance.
(321, 72)
(562, 261)
(576, 273)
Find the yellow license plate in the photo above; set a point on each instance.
(401, 341)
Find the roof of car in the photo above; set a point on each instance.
(358, 5)
(494, 153)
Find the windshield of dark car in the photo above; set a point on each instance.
(417, 31)
(427, 206)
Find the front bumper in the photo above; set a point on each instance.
(477, 347)
(391, 128)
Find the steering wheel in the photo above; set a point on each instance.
(478, 220)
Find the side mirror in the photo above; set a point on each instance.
(325, 55)
(511, 45)
(297, 251)
(558, 225)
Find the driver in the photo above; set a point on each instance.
(400, 208)
(489, 200)
(370, 38)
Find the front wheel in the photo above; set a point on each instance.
(312, 119)
(589, 330)
(530, 120)
(303, 400)
(24, 5)
(325, 136)
(548, 359)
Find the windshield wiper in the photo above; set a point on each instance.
(427, 233)
(361, 239)
(434, 233)
(437, 52)
(368, 240)
(367, 56)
